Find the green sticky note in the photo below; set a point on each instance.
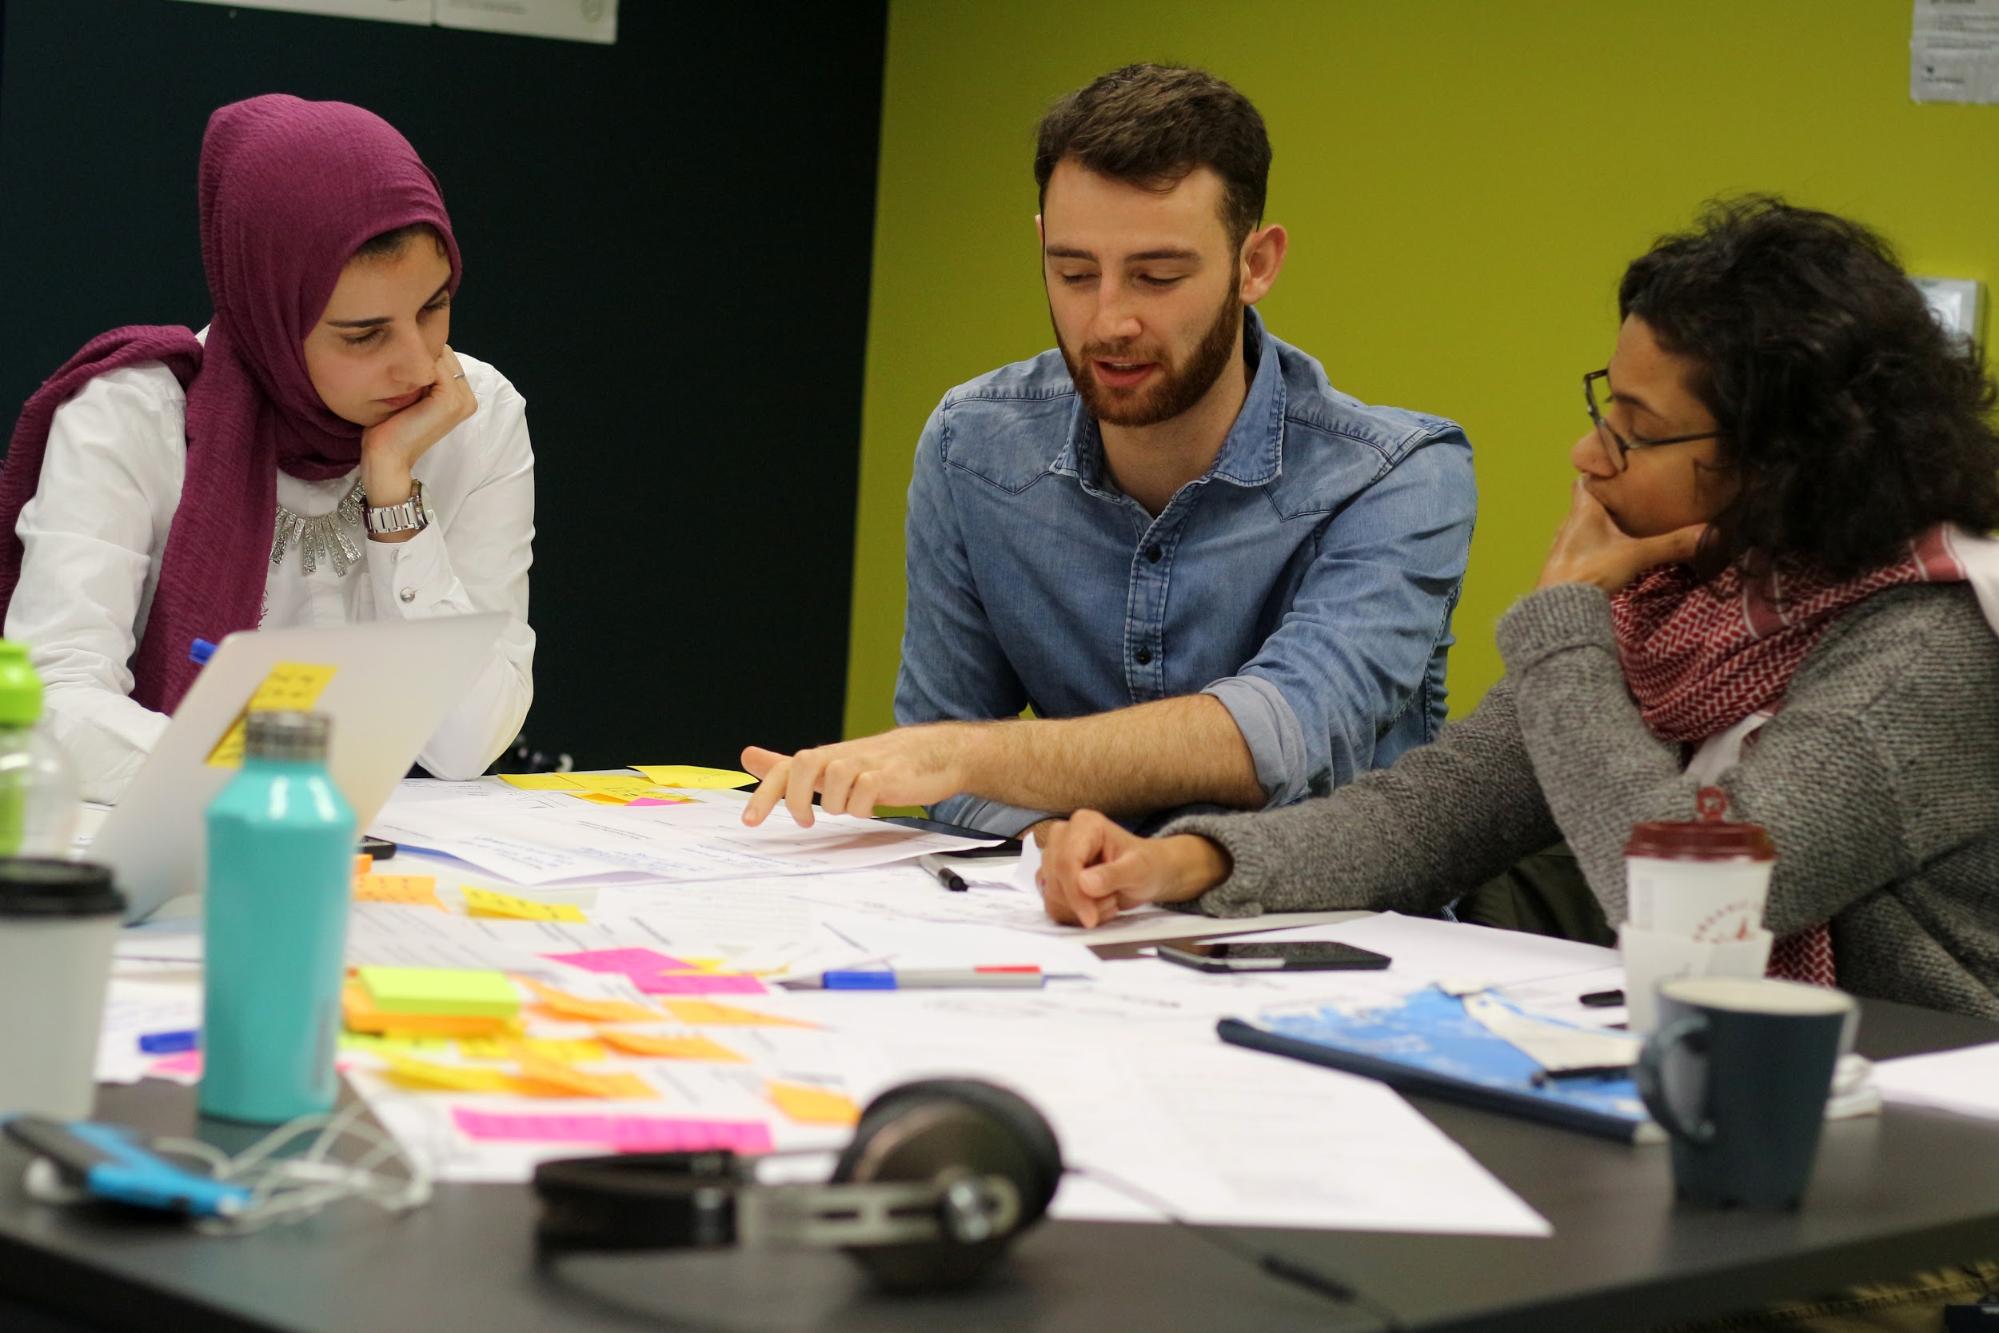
(441, 990)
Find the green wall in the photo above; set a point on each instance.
(1463, 181)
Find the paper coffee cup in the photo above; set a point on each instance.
(1703, 900)
(1653, 957)
(58, 925)
(1707, 879)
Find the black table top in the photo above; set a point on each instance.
(1908, 1189)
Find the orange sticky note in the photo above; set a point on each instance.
(709, 1013)
(809, 1105)
(670, 1046)
(363, 862)
(491, 903)
(409, 890)
(358, 1011)
(565, 1005)
(575, 1082)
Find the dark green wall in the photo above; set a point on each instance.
(666, 246)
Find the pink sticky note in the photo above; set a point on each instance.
(187, 1062)
(634, 963)
(654, 800)
(699, 983)
(624, 1133)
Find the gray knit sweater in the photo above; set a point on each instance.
(1878, 782)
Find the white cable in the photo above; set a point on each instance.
(289, 1188)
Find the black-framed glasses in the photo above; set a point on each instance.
(1616, 446)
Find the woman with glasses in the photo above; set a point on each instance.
(1775, 576)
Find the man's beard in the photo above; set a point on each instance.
(1171, 390)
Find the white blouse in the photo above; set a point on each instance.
(93, 534)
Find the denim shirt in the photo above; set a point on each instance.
(1306, 580)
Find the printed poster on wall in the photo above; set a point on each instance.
(568, 20)
(1954, 51)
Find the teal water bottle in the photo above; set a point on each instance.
(280, 876)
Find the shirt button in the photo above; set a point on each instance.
(407, 594)
(1153, 553)
(1143, 656)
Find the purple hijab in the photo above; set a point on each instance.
(289, 191)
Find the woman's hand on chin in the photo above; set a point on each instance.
(1092, 868)
(391, 447)
(1591, 548)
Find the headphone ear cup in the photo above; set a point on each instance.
(923, 1130)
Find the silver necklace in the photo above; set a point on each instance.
(320, 534)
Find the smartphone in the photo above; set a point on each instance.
(1294, 956)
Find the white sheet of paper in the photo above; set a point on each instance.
(702, 841)
(1965, 1080)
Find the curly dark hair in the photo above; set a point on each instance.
(1853, 419)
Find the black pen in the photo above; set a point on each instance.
(1543, 1077)
(946, 876)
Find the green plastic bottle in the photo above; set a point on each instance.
(38, 791)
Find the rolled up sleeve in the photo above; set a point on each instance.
(1351, 654)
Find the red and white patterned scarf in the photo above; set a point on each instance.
(1710, 662)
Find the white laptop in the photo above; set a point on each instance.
(385, 685)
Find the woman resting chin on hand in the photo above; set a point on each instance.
(318, 455)
(1775, 577)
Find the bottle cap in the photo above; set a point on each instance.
(284, 734)
(1709, 838)
(50, 887)
(20, 687)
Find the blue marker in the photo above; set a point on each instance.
(170, 1043)
(954, 978)
(200, 651)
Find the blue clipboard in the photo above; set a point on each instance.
(1430, 1045)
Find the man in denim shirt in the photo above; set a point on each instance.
(1214, 578)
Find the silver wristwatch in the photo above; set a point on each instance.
(409, 516)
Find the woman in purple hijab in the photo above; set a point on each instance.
(317, 455)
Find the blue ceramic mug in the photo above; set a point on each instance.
(1738, 1073)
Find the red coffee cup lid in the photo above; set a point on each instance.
(1709, 838)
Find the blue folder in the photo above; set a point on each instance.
(1430, 1045)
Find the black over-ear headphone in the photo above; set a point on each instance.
(941, 1175)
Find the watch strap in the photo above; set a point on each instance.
(409, 516)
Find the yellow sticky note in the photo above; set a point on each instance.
(689, 775)
(492, 903)
(565, 1005)
(700, 965)
(409, 890)
(600, 798)
(709, 1013)
(540, 781)
(454, 1078)
(808, 1105)
(574, 1051)
(575, 1082)
(290, 685)
(390, 1044)
(670, 1046)
(443, 991)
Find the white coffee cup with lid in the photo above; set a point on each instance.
(58, 927)
(1695, 891)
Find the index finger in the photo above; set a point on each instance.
(768, 793)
